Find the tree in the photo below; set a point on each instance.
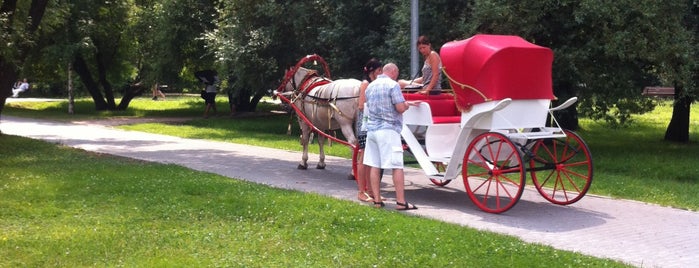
(350, 42)
(441, 20)
(169, 40)
(605, 50)
(683, 71)
(251, 40)
(102, 37)
(92, 37)
(19, 26)
(254, 40)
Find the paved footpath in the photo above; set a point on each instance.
(636, 233)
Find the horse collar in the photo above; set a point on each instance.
(309, 83)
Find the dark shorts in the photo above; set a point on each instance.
(209, 97)
(361, 139)
(361, 135)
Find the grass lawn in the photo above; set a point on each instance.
(63, 207)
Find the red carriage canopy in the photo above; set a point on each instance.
(494, 67)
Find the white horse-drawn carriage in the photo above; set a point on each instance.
(497, 126)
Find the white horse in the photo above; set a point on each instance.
(327, 104)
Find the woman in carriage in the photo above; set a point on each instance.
(430, 83)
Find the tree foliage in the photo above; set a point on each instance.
(19, 26)
(605, 51)
(169, 37)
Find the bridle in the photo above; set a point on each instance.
(290, 75)
(310, 81)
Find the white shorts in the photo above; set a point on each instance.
(383, 149)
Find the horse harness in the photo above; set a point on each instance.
(310, 82)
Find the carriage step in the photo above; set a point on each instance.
(539, 134)
(439, 176)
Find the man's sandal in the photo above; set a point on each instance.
(381, 197)
(379, 204)
(405, 206)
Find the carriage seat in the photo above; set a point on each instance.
(442, 106)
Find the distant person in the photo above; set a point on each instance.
(23, 87)
(385, 105)
(157, 92)
(431, 79)
(17, 84)
(209, 96)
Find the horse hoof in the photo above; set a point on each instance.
(320, 167)
(302, 167)
(351, 177)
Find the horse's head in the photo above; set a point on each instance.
(295, 79)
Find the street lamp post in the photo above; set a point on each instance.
(414, 31)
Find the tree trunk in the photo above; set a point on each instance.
(130, 91)
(92, 87)
(8, 71)
(243, 101)
(102, 74)
(8, 76)
(36, 12)
(567, 118)
(678, 129)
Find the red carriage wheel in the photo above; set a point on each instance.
(561, 168)
(493, 173)
(441, 168)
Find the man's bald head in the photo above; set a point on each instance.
(391, 70)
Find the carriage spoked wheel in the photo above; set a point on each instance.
(493, 173)
(561, 168)
(441, 168)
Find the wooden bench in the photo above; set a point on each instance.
(658, 91)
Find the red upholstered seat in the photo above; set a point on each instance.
(443, 107)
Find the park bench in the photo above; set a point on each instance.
(658, 91)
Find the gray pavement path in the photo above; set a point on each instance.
(640, 234)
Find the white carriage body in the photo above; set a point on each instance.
(518, 114)
(514, 118)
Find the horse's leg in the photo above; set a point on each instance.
(305, 136)
(347, 128)
(321, 152)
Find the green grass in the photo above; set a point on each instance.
(635, 163)
(63, 207)
(174, 106)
